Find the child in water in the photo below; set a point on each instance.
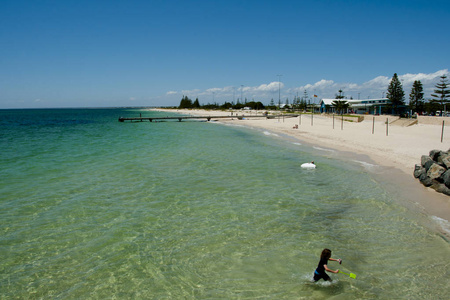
(319, 273)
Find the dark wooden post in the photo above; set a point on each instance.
(373, 125)
(387, 126)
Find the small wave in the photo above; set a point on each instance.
(365, 164)
(308, 279)
(298, 144)
(444, 224)
(323, 149)
(270, 133)
(229, 124)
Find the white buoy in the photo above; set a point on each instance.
(310, 165)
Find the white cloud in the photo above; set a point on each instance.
(377, 82)
(324, 88)
(271, 87)
(373, 88)
(424, 78)
(214, 90)
(321, 84)
(190, 93)
(229, 93)
(316, 88)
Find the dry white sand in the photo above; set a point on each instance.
(396, 148)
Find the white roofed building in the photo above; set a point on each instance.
(363, 106)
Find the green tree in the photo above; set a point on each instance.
(238, 105)
(340, 105)
(431, 107)
(442, 93)
(255, 105)
(340, 95)
(296, 103)
(196, 104)
(305, 96)
(416, 97)
(303, 105)
(395, 94)
(227, 105)
(185, 102)
(271, 105)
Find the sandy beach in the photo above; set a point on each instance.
(396, 149)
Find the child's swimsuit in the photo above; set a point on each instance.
(319, 273)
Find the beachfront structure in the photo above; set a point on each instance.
(363, 106)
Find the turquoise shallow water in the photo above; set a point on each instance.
(94, 208)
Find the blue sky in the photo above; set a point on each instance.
(133, 53)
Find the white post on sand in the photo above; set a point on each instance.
(300, 119)
(342, 122)
(333, 120)
(373, 125)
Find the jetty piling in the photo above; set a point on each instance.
(208, 118)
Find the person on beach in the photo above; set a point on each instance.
(319, 273)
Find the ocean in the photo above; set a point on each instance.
(91, 208)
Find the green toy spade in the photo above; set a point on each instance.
(351, 274)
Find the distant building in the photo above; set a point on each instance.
(283, 106)
(363, 106)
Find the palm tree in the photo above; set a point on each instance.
(340, 105)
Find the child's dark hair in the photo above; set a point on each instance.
(326, 254)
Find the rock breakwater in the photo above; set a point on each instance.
(434, 171)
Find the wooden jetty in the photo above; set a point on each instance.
(208, 118)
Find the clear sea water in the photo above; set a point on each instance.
(91, 208)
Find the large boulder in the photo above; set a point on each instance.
(445, 159)
(424, 159)
(441, 188)
(419, 170)
(428, 164)
(435, 171)
(434, 154)
(446, 178)
(425, 180)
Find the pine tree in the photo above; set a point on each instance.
(340, 95)
(185, 102)
(442, 93)
(395, 94)
(416, 96)
(305, 95)
(196, 104)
